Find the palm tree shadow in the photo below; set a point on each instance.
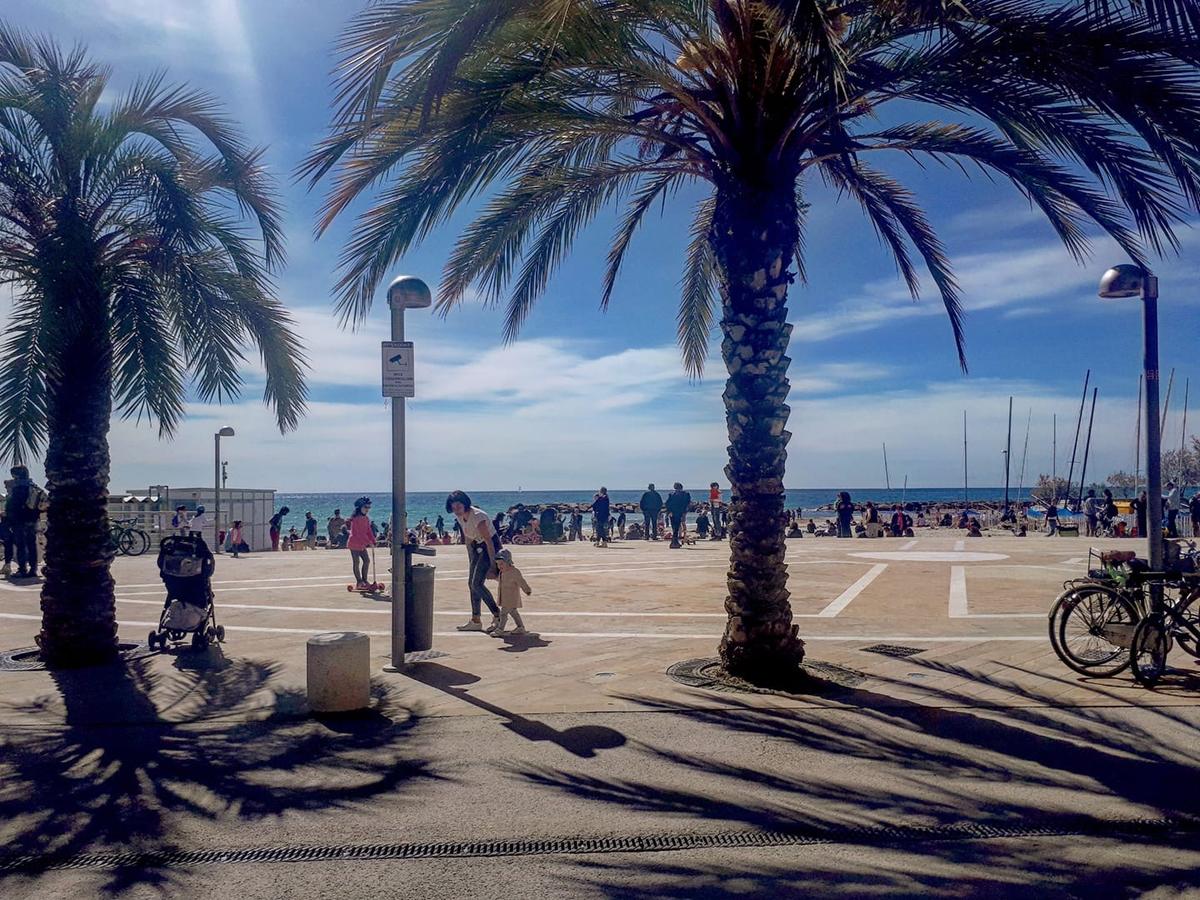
(889, 761)
(580, 740)
(141, 752)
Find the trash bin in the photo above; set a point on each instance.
(418, 609)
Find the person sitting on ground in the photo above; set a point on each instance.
(702, 523)
(794, 530)
(811, 528)
(899, 521)
(509, 586)
(973, 529)
(920, 518)
(964, 521)
(334, 526)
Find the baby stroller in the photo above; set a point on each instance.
(186, 566)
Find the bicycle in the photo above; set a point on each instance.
(127, 539)
(1157, 634)
(1092, 623)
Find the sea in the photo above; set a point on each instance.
(429, 504)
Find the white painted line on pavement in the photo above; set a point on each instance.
(908, 546)
(386, 610)
(958, 592)
(859, 638)
(844, 599)
(959, 608)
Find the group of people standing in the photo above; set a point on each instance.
(24, 503)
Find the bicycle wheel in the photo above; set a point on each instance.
(139, 543)
(1148, 654)
(1095, 630)
(125, 543)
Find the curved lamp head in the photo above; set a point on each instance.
(226, 432)
(409, 292)
(1123, 281)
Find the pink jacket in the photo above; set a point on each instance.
(361, 536)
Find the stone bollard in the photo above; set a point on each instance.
(339, 672)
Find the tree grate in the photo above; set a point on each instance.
(648, 843)
(897, 650)
(29, 659)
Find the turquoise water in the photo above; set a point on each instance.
(429, 504)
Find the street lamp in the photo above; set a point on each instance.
(406, 292)
(1121, 283)
(224, 432)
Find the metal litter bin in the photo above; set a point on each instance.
(418, 608)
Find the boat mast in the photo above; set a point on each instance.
(1137, 452)
(1087, 446)
(1078, 427)
(1162, 426)
(1183, 437)
(965, 500)
(887, 479)
(1024, 455)
(1008, 452)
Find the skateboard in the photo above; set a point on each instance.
(369, 589)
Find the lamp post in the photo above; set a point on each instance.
(406, 292)
(226, 431)
(1120, 283)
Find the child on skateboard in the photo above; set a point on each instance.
(508, 593)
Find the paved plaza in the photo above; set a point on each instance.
(566, 762)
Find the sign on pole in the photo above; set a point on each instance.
(398, 378)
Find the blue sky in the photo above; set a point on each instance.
(587, 398)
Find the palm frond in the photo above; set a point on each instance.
(698, 293)
(23, 409)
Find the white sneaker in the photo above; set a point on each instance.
(471, 626)
(495, 632)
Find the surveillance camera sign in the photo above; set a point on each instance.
(398, 379)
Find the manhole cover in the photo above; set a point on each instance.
(707, 673)
(897, 650)
(29, 659)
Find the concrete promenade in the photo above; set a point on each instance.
(566, 763)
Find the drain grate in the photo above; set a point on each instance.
(649, 843)
(29, 659)
(897, 650)
(417, 656)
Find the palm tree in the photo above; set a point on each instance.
(555, 109)
(123, 239)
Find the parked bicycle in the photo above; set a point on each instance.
(127, 539)
(1094, 623)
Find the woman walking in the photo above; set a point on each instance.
(361, 537)
(483, 543)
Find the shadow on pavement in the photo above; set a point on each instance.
(874, 760)
(581, 740)
(142, 753)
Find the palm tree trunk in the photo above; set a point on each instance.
(754, 238)
(79, 625)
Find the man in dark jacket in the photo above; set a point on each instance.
(651, 505)
(601, 508)
(22, 511)
(677, 506)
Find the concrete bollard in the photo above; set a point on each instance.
(339, 672)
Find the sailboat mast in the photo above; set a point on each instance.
(1078, 427)
(965, 500)
(887, 479)
(1162, 426)
(1183, 437)
(1008, 452)
(1087, 446)
(1024, 455)
(1137, 452)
